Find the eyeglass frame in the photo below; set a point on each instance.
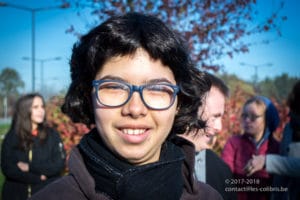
(252, 117)
(132, 89)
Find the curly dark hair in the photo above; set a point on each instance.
(121, 36)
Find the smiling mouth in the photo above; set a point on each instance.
(133, 131)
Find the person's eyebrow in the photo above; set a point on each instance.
(151, 81)
(158, 80)
(110, 77)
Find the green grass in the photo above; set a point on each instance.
(3, 130)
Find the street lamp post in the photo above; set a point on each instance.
(42, 61)
(33, 11)
(256, 69)
(255, 77)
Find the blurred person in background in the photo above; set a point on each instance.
(259, 120)
(32, 153)
(287, 164)
(209, 167)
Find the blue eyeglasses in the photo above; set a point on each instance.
(252, 117)
(115, 93)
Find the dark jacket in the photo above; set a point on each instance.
(292, 182)
(80, 185)
(47, 159)
(218, 174)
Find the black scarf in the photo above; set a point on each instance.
(121, 180)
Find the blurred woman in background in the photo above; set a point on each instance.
(32, 153)
(259, 120)
(286, 166)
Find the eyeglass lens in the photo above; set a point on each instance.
(252, 117)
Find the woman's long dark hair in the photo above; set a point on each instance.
(123, 35)
(21, 122)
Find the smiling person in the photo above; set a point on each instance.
(211, 111)
(209, 167)
(259, 120)
(133, 79)
(32, 154)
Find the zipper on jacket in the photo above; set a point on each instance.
(30, 159)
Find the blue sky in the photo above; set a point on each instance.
(52, 41)
(282, 52)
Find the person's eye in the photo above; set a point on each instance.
(113, 86)
(160, 88)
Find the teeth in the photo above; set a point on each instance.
(133, 131)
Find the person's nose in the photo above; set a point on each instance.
(135, 106)
(247, 119)
(214, 126)
(41, 109)
(218, 125)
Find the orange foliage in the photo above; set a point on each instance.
(70, 132)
